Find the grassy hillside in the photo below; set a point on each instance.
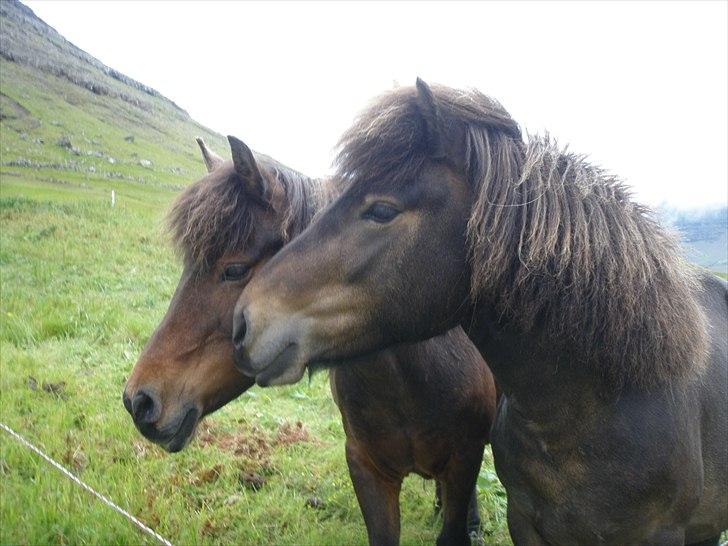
(70, 121)
(82, 287)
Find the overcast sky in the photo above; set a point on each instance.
(641, 87)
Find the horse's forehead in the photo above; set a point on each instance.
(430, 176)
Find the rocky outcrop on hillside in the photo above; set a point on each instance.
(26, 39)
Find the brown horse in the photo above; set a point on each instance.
(611, 351)
(228, 224)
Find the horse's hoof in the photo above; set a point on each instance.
(476, 538)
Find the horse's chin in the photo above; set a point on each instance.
(181, 437)
(287, 368)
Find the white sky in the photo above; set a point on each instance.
(641, 87)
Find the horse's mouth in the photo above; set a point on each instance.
(287, 368)
(186, 428)
(178, 439)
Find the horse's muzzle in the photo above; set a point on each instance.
(240, 328)
(240, 355)
(144, 407)
(242, 361)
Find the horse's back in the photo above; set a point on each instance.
(711, 515)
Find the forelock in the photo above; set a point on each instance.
(210, 218)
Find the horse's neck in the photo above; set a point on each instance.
(371, 381)
(539, 382)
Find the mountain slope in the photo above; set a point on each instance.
(82, 287)
(66, 116)
(704, 234)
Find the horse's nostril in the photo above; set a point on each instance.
(240, 328)
(127, 402)
(145, 409)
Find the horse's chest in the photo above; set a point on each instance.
(403, 447)
(596, 489)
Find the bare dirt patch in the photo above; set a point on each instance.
(288, 433)
(253, 446)
(252, 442)
(249, 441)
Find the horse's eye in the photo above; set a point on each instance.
(381, 212)
(234, 272)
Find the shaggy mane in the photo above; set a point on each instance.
(557, 246)
(215, 215)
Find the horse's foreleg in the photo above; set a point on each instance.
(378, 498)
(474, 514)
(458, 486)
(473, 510)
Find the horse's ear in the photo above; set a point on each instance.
(247, 168)
(212, 160)
(434, 130)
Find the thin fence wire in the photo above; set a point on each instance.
(95, 493)
(88, 488)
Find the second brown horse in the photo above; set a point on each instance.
(422, 408)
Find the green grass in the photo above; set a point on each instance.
(82, 287)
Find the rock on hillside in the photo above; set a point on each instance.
(26, 39)
(69, 120)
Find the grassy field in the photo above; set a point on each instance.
(83, 286)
